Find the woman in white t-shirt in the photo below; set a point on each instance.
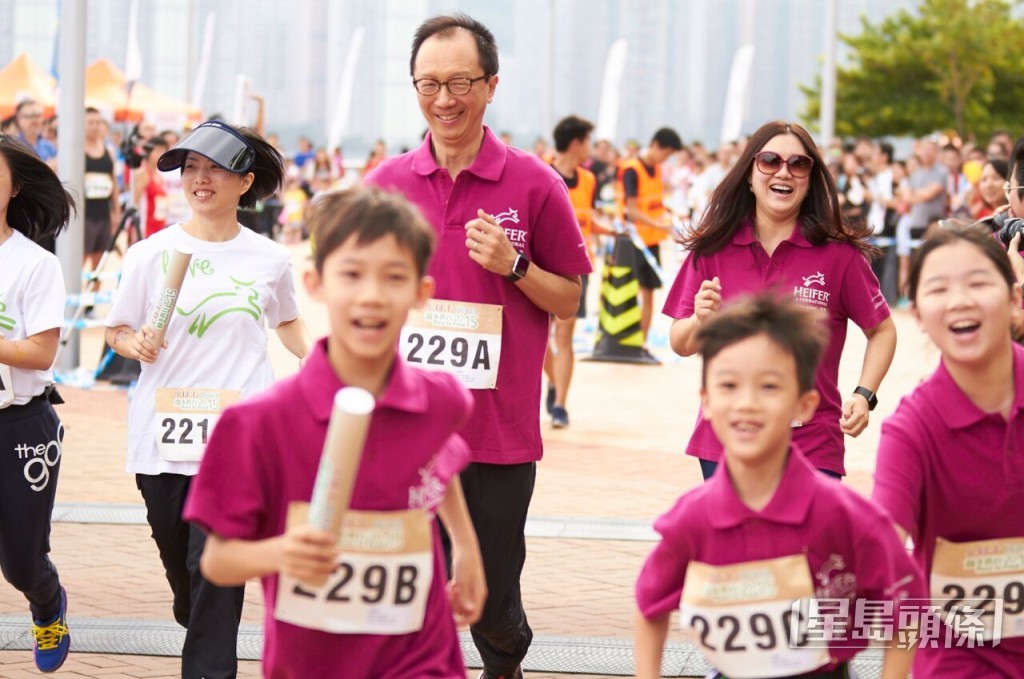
(33, 207)
(237, 284)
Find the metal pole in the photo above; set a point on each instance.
(549, 95)
(71, 154)
(828, 75)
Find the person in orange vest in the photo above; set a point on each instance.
(572, 149)
(641, 201)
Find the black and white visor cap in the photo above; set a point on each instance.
(215, 140)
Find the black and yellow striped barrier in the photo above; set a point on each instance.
(619, 337)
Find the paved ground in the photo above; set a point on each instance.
(619, 459)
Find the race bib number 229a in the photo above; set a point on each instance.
(462, 338)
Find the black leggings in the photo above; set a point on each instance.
(210, 614)
(31, 437)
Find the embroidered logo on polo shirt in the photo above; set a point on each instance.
(516, 236)
(818, 278)
(430, 492)
(833, 581)
(813, 297)
(508, 215)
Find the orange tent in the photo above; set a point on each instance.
(105, 89)
(22, 79)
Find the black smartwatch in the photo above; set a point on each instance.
(519, 268)
(872, 397)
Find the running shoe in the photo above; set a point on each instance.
(52, 639)
(559, 417)
(550, 402)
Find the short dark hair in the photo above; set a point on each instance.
(570, 128)
(977, 235)
(1000, 165)
(24, 103)
(41, 207)
(369, 214)
(732, 202)
(795, 329)
(886, 149)
(445, 26)
(1017, 165)
(267, 168)
(667, 138)
(92, 109)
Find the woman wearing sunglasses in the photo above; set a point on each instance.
(774, 222)
(215, 352)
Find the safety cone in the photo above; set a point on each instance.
(619, 337)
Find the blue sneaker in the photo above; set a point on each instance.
(559, 417)
(549, 402)
(53, 640)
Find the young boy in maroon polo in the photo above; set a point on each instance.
(768, 530)
(371, 253)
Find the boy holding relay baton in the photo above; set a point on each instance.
(384, 609)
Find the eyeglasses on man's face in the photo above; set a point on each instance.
(428, 87)
(1007, 188)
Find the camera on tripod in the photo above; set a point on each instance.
(131, 149)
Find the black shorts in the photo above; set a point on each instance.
(582, 311)
(97, 235)
(645, 275)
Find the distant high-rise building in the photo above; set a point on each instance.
(552, 54)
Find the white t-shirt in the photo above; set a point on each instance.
(880, 187)
(217, 338)
(31, 302)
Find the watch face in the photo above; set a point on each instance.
(520, 266)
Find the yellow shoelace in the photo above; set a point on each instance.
(48, 638)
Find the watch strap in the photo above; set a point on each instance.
(870, 396)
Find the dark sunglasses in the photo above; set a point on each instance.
(769, 162)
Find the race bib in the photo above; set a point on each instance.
(462, 338)
(381, 583)
(160, 208)
(744, 617)
(980, 587)
(185, 417)
(98, 185)
(6, 386)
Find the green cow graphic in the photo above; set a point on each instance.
(247, 299)
(6, 322)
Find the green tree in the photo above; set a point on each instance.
(956, 64)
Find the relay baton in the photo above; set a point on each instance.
(168, 297)
(339, 461)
